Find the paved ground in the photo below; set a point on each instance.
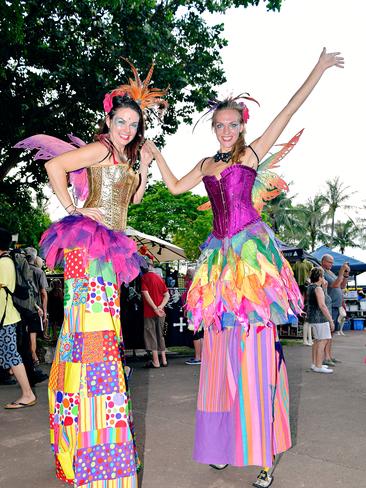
(328, 425)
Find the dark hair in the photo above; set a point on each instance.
(5, 239)
(240, 146)
(132, 147)
(316, 273)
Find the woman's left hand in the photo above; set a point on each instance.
(327, 60)
(147, 153)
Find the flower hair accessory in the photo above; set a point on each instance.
(147, 98)
(214, 104)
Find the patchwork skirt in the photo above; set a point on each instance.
(92, 432)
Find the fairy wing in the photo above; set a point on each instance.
(48, 147)
(268, 184)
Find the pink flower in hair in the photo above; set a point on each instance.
(245, 114)
(108, 102)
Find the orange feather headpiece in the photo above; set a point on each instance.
(139, 91)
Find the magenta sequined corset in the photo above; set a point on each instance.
(231, 200)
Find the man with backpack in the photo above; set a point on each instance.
(9, 318)
(38, 321)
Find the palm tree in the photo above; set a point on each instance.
(336, 196)
(312, 223)
(280, 214)
(345, 235)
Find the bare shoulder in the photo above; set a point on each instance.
(203, 163)
(250, 157)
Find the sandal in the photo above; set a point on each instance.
(18, 405)
(263, 480)
(219, 467)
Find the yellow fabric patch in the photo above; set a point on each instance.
(72, 377)
(97, 321)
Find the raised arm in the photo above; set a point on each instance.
(175, 186)
(58, 167)
(264, 143)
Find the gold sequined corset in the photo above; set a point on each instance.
(111, 189)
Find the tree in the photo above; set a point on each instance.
(194, 234)
(335, 198)
(57, 60)
(346, 234)
(162, 214)
(20, 216)
(280, 214)
(312, 223)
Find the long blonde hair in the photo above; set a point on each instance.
(239, 147)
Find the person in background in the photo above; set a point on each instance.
(319, 317)
(336, 294)
(342, 309)
(155, 296)
(55, 307)
(197, 336)
(301, 269)
(39, 322)
(9, 316)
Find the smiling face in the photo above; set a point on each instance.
(123, 126)
(227, 127)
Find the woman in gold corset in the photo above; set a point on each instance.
(92, 430)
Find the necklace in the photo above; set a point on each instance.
(222, 156)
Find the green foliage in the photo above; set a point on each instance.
(173, 218)
(20, 216)
(58, 59)
(335, 198)
(194, 234)
(346, 235)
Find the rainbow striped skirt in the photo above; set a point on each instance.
(242, 289)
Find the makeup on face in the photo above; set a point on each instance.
(123, 126)
(227, 128)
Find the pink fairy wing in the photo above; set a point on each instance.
(76, 140)
(48, 146)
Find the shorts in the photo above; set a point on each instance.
(321, 331)
(34, 324)
(154, 333)
(198, 335)
(9, 355)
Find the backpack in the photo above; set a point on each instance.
(24, 293)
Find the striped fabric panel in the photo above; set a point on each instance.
(92, 414)
(216, 390)
(129, 482)
(109, 435)
(253, 392)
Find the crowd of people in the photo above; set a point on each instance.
(241, 290)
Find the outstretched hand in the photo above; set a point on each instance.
(327, 60)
